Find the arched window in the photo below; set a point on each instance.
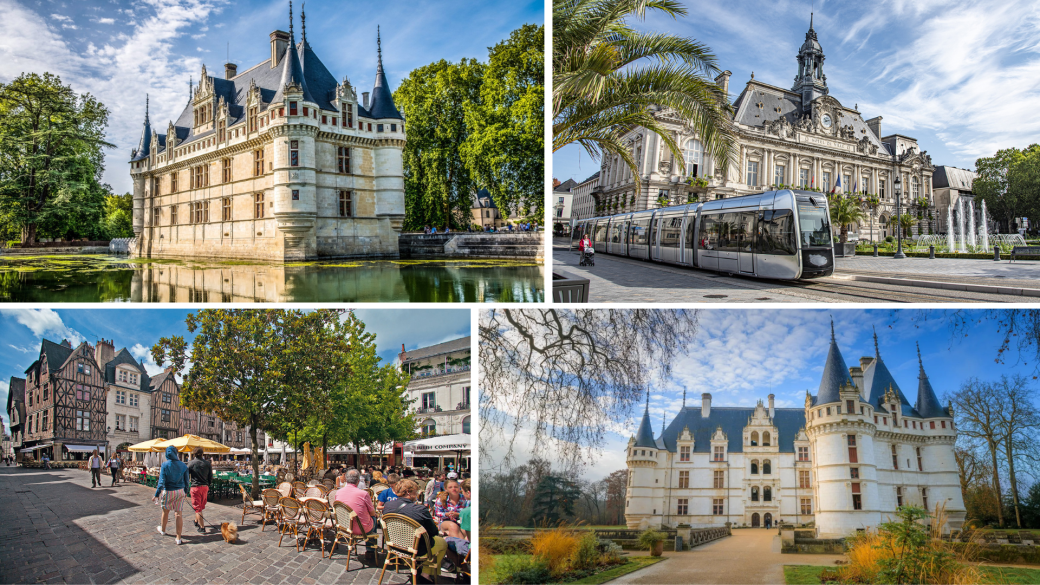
(766, 467)
(465, 426)
(754, 438)
(765, 439)
(754, 493)
(693, 153)
(767, 494)
(754, 467)
(429, 427)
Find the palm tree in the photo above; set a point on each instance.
(904, 222)
(845, 211)
(607, 77)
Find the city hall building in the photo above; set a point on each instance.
(277, 162)
(856, 452)
(799, 137)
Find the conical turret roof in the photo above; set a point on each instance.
(645, 434)
(292, 69)
(144, 146)
(835, 374)
(877, 380)
(382, 104)
(927, 402)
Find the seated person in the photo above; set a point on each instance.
(457, 535)
(405, 505)
(361, 503)
(388, 495)
(448, 504)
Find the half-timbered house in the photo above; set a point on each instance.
(128, 395)
(16, 411)
(166, 405)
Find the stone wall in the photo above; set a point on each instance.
(526, 246)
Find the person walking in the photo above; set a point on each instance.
(113, 466)
(95, 469)
(200, 474)
(173, 486)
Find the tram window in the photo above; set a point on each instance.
(814, 224)
(708, 238)
(670, 232)
(615, 233)
(776, 233)
(729, 232)
(601, 233)
(744, 231)
(637, 233)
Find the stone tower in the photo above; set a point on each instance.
(640, 510)
(810, 80)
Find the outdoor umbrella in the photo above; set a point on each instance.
(145, 447)
(306, 456)
(187, 444)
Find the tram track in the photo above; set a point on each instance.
(852, 291)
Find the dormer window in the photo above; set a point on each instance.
(253, 112)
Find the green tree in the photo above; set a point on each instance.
(244, 365)
(609, 77)
(554, 500)
(51, 157)
(1009, 183)
(845, 211)
(119, 213)
(437, 180)
(505, 147)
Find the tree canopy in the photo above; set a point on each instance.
(1009, 183)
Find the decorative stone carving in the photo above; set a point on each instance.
(805, 124)
(781, 127)
(864, 145)
(664, 166)
(847, 132)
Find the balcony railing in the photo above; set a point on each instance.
(440, 372)
(430, 409)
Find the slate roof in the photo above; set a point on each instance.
(927, 402)
(124, 357)
(56, 353)
(484, 200)
(952, 178)
(594, 176)
(835, 374)
(144, 146)
(788, 422)
(566, 186)
(16, 398)
(158, 379)
(437, 349)
(645, 433)
(877, 380)
(382, 104)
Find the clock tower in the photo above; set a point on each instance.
(810, 82)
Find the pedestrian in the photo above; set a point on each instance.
(95, 469)
(113, 466)
(173, 485)
(200, 473)
(47, 462)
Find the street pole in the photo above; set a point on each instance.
(899, 218)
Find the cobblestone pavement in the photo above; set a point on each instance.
(751, 555)
(55, 528)
(1027, 272)
(615, 279)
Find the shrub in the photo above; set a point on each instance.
(610, 548)
(555, 548)
(521, 570)
(506, 546)
(889, 239)
(586, 555)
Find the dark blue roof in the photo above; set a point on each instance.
(292, 73)
(927, 402)
(382, 104)
(835, 375)
(144, 146)
(877, 380)
(320, 82)
(124, 357)
(645, 434)
(788, 422)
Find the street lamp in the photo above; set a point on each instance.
(899, 219)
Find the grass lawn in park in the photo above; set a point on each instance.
(810, 574)
(632, 564)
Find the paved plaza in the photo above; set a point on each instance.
(751, 555)
(55, 528)
(860, 279)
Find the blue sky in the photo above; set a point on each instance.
(961, 76)
(138, 329)
(118, 50)
(742, 356)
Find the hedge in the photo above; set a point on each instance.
(1001, 553)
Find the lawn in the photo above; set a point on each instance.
(576, 527)
(810, 574)
(632, 564)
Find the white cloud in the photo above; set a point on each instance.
(144, 355)
(106, 21)
(44, 322)
(69, 26)
(21, 349)
(61, 18)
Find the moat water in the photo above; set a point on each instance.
(103, 278)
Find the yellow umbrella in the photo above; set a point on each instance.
(306, 456)
(145, 447)
(321, 458)
(187, 444)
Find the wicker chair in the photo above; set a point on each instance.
(401, 538)
(313, 492)
(272, 511)
(331, 497)
(378, 488)
(292, 519)
(328, 483)
(299, 489)
(317, 521)
(249, 505)
(312, 482)
(285, 488)
(289, 476)
(346, 519)
(324, 489)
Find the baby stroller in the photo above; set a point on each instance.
(588, 257)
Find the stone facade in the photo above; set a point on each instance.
(583, 205)
(440, 385)
(279, 162)
(846, 461)
(802, 137)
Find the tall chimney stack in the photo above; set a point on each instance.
(705, 405)
(772, 411)
(364, 96)
(279, 41)
(723, 81)
(230, 70)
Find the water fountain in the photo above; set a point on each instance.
(949, 229)
(960, 226)
(985, 229)
(972, 243)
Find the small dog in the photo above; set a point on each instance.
(230, 532)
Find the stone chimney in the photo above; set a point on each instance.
(723, 81)
(279, 41)
(104, 352)
(230, 70)
(875, 126)
(705, 405)
(364, 96)
(772, 410)
(168, 369)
